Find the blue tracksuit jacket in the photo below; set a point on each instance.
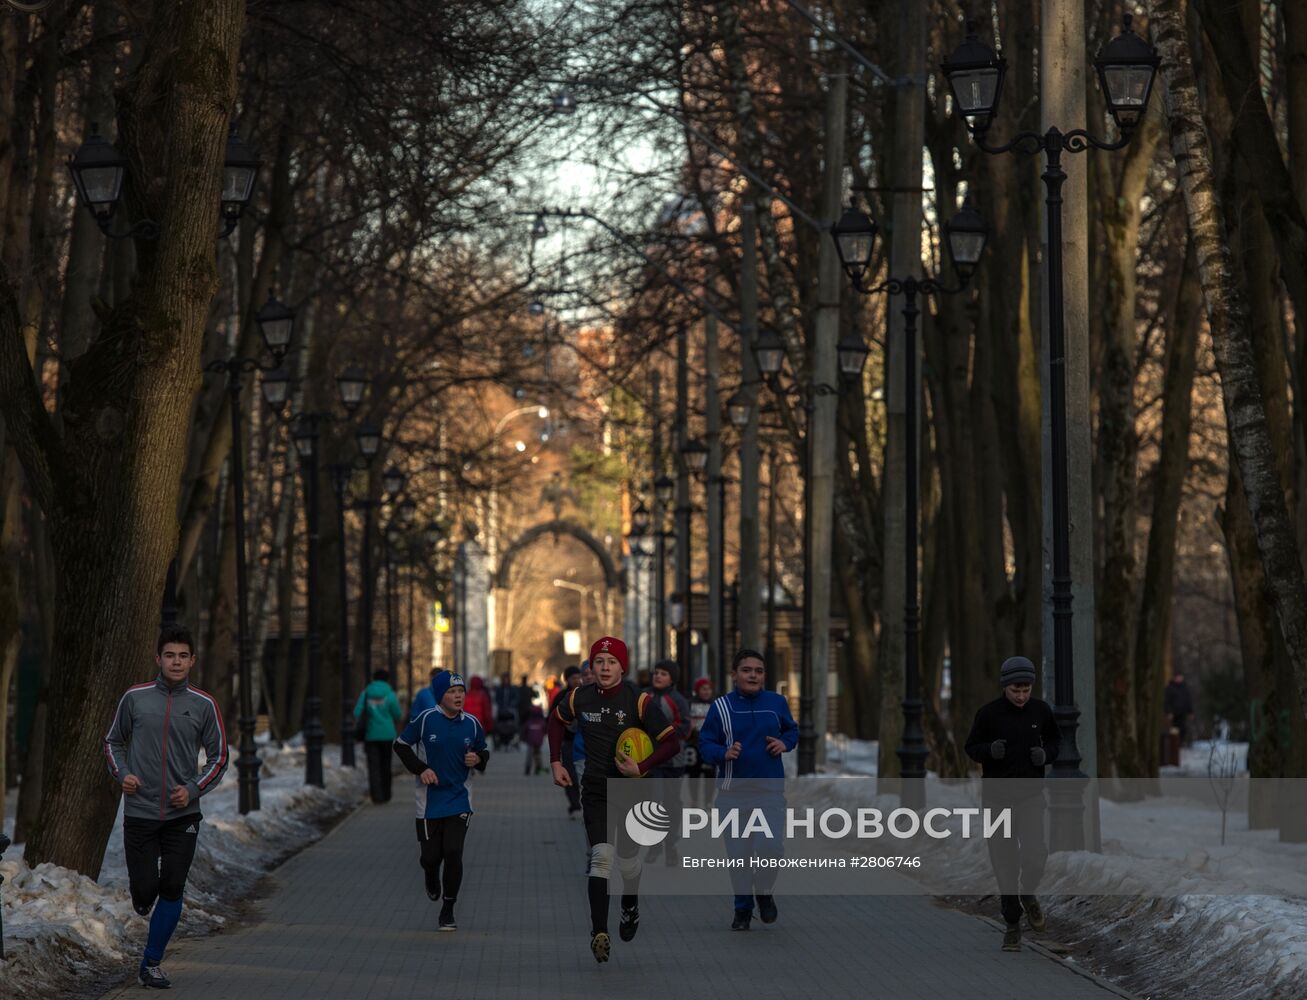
(440, 742)
(748, 720)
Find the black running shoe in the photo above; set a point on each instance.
(1012, 938)
(1034, 913)
(447, 916)
(630, 922)
(767, 909)
(433, 887)
(741, 921)
(600, 945)
(152, 976)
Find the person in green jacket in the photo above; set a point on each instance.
(384, 715)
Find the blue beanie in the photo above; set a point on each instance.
(443, 681)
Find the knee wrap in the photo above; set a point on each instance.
(629, 867)
(601, 860)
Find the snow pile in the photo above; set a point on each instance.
(1172, 912)
(849, 756)
(60, 926)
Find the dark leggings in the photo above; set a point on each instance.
(442, 843)
(594, 806)
(1019, 860)
(379, 776)
(159, 855)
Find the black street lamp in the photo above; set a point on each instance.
(739, 408)
(965, 238)
(694, 458)
(306, 436)
(770, 354)
(306, 444)
(98, 170)
(664, 490)
(1126, 68)
(240, 169)
(350, 387)
(769, 650)
(340, 477)
(401, 520)
(276, 323)
(368, 439)
(635, 543)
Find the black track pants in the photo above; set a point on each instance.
(159, 855)
(442, 846)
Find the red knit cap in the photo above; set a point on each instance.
(612, 645)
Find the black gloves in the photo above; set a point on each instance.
(997, 749)
(1037, 756)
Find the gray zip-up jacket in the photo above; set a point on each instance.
(156, 735)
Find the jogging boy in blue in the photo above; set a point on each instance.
(440, 747)
(743, 735)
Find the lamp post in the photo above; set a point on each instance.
(276, 323)
(718, 573)
(855, 238)
(664, 490)
(408, 632)
(306, 437)
(400, 521)
(368, 438)
(350, 385)
(98, 171)
(306, 444)
(1126, 68)
(770, 353)
(769, 651)
(635, 543)
(694, 458)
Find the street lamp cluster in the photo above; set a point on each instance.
(98, 170)
(1126, 68)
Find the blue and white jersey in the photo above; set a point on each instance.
(440, 743)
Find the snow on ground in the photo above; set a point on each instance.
(60, 926)
(1173, 913)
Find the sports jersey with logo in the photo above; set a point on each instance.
(601, 716)
(441, 742)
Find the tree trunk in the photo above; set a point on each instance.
(1228, 317)
(1119, 200)
(109, 485)
(1153, 633)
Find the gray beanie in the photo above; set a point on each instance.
(1016, 670)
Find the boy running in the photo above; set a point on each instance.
(153, 749)
(440, 747)
(743, 735)
(1015, 736)
(602, 711)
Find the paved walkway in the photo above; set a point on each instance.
(347, 919)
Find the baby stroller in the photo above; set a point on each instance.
(505, 728)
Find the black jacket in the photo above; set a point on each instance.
(1032, 725)
(1177, 700)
